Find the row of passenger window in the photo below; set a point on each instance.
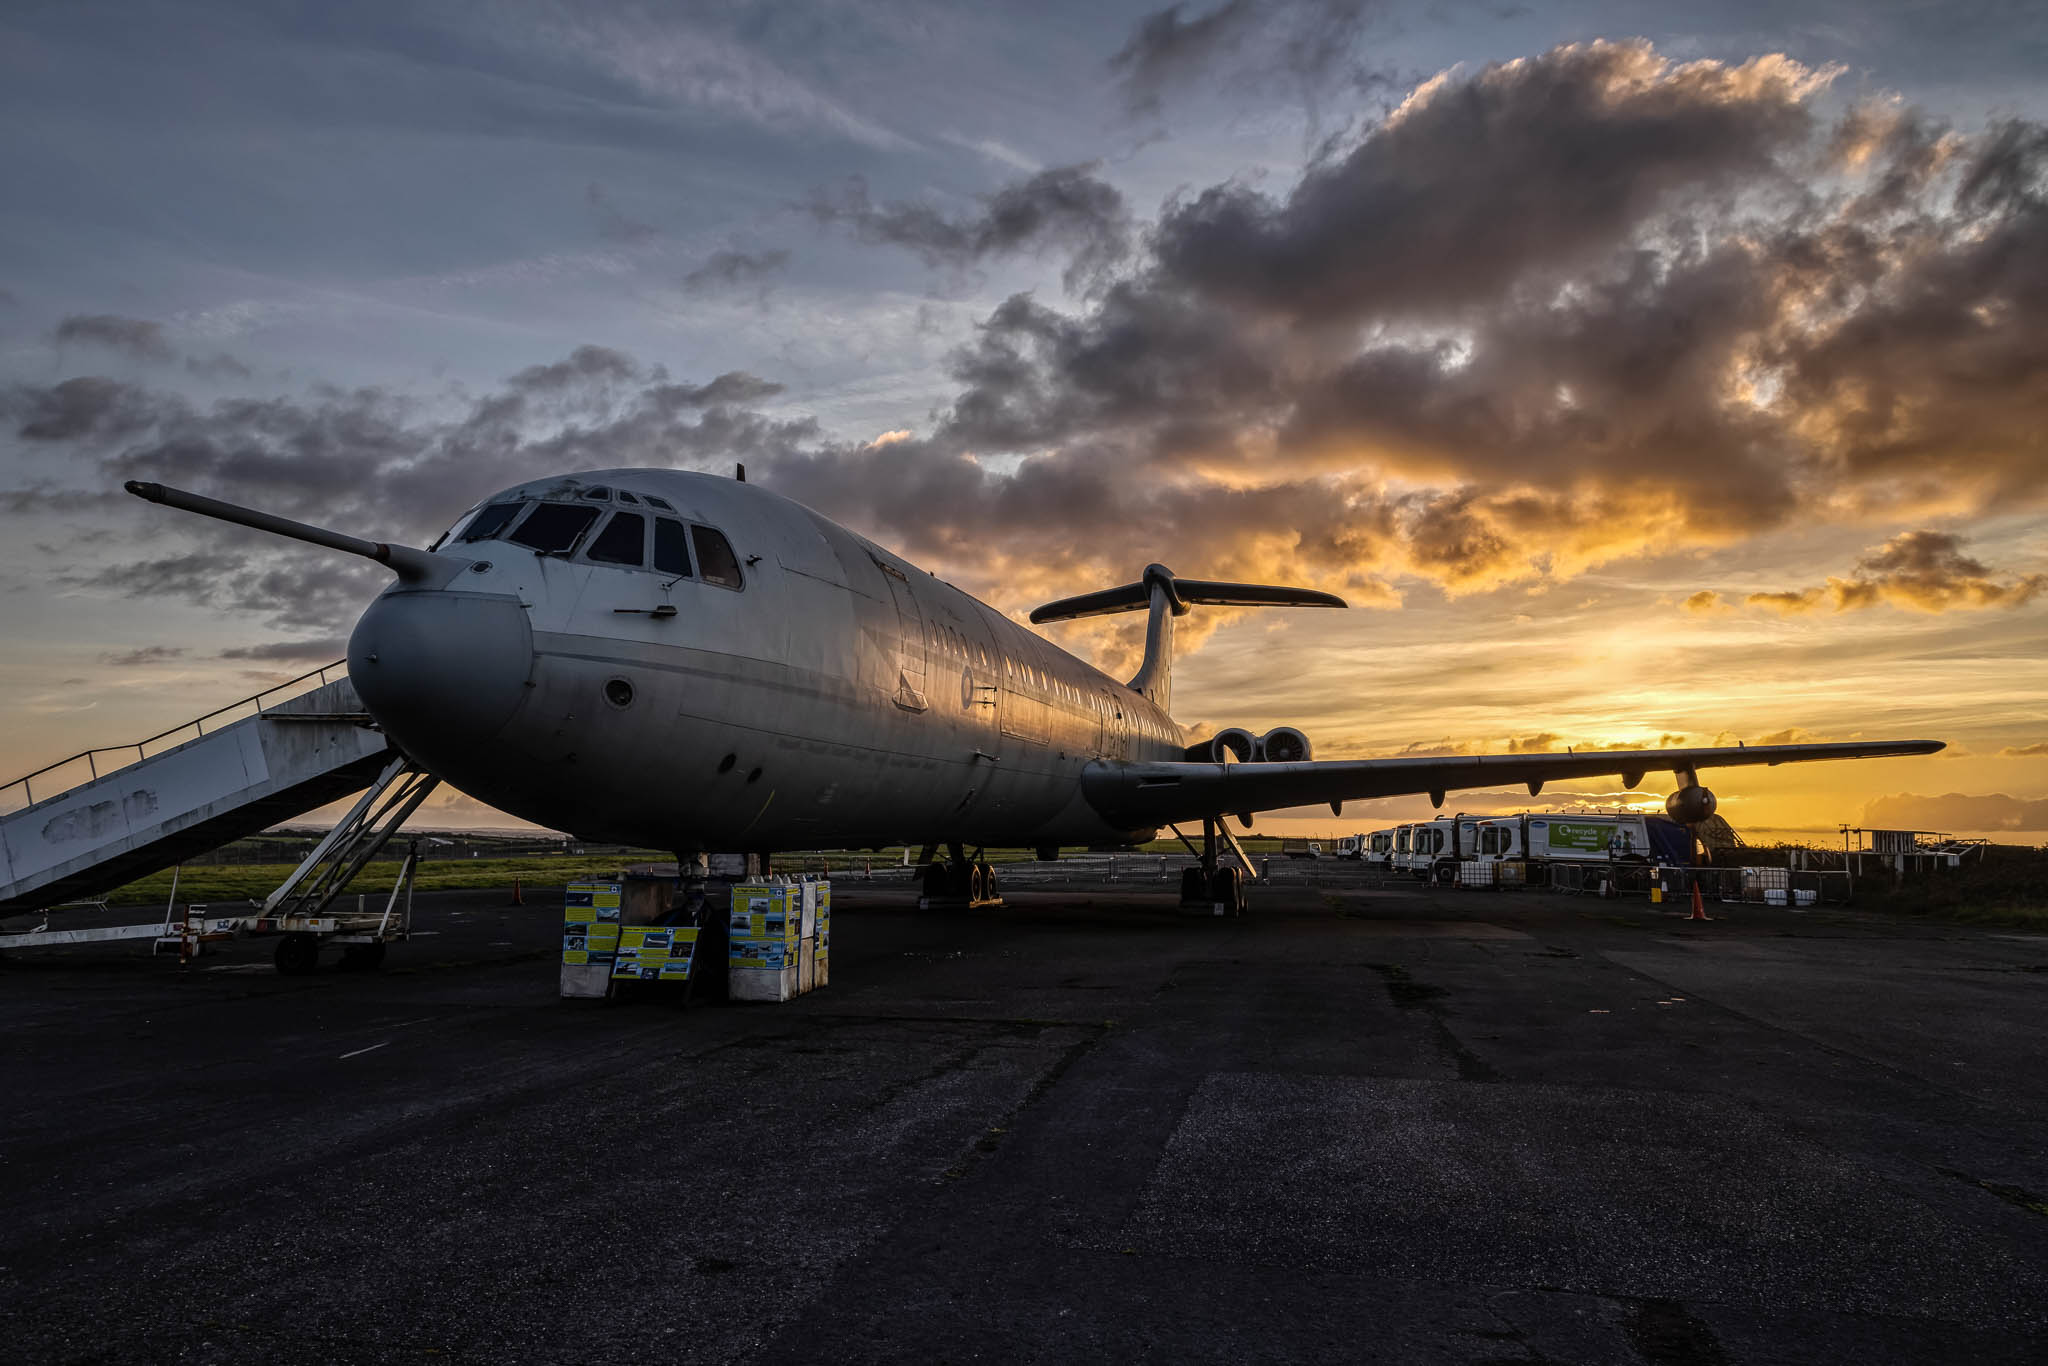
(558, 528)
(946, 640)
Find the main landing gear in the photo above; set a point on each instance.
(960, 881)
(1215, 887)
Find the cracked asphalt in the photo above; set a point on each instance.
(1366, 1122)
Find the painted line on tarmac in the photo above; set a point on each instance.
(360, 1051)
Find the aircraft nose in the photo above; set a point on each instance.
(442, 672)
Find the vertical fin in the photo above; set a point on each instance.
(1154, 679)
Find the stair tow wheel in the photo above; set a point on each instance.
(298, 954)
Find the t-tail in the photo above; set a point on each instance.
(1168, 597)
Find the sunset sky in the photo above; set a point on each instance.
(1637, 371)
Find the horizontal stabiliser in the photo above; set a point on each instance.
(1181, 594)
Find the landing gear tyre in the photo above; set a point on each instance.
(1227, 890)
(297, 955)
(975, 885)
(987, 873)
(1192, 886)
(362, 957)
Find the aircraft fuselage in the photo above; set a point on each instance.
(837, 696)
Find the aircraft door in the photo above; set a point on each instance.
(1116, 728)
(910, 690)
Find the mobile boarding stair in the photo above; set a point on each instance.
(151, 805)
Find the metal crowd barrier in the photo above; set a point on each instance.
(1793, 888)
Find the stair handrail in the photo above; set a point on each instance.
(197, 726)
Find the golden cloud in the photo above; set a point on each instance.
(1924, 571)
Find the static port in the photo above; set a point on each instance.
(618, 692)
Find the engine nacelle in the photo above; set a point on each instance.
(1283, 745)
(1225, 746)
(1689, 805)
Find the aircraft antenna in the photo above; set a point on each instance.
(739, 471)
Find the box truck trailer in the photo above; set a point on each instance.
(1589, 837)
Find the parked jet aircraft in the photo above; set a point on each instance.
(686, 662)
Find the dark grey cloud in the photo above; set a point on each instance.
(583, 366)
(134, 337)
(1929, 371)
(220, 365)
(320, 649)
(141, 339)
(1307, 48)
(144, 655)
(736, 270)
(197, 576)
(1168, 47)
(375, 463)
(83, 408)
(1545, 163)
(1634, 329)
(1067, 209)
(734, 386)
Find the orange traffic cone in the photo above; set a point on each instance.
(1699, 908)
(517, 899)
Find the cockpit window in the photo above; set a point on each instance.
(452, 532)
(661, 503)
(671, 554)
(492, 520)
(626, 497)
(623, 540)
(599, 494)
(715, 560)
(552, 528)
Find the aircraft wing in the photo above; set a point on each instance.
(1137, 795)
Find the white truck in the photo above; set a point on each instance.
(1377, 849)
(1583, 837)
(1432, 850)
